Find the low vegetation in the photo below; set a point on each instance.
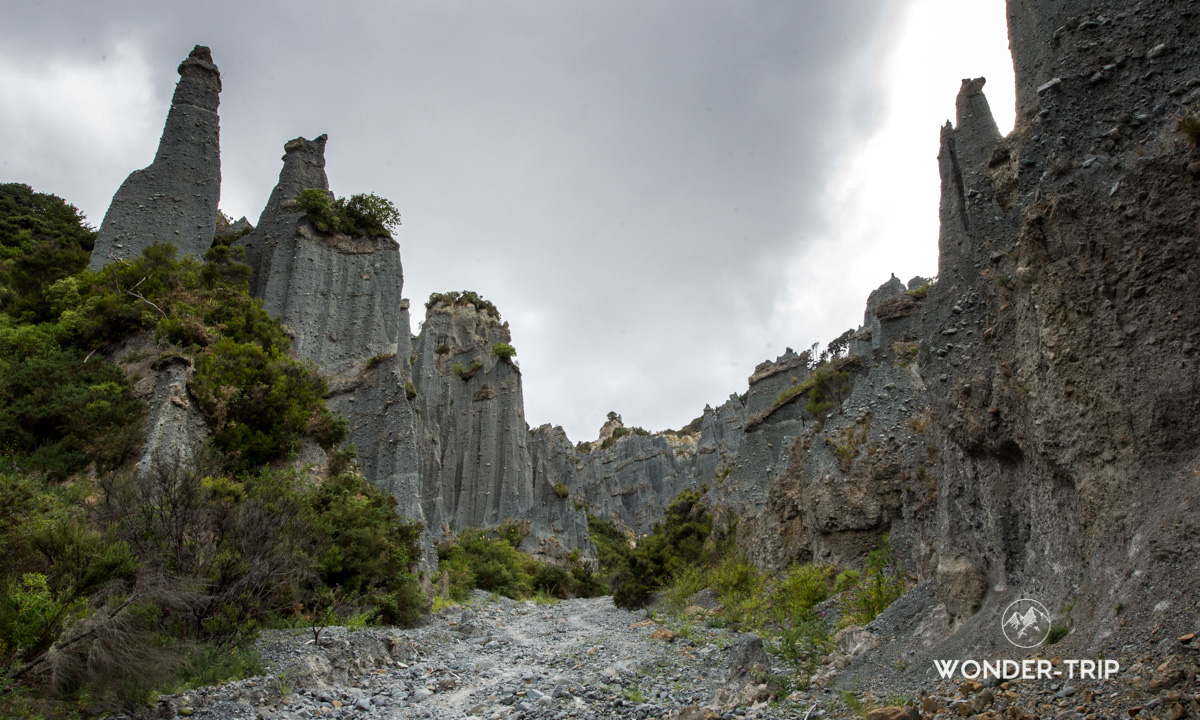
(462, 299)
(115, 584)
(922, 291)
(504, 351)
(359, 215)
(492, 562)
(796, 611)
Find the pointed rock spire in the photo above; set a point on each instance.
(175, 198)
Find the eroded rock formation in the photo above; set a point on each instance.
(340, 296)
(174, 199)
(1059, 344)
(476, 467)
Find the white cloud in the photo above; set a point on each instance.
(884, 197)
(70, 128)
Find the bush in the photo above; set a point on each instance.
(360, 215)
(561, 490)
(680, 540)
(59, 413)
(880, 584)
(43, 239)
(504, 351)
(465, 298)
(463, 372)
(488, 563)
(477, 560)
(259, 402)
(365, 548)
(1057, 632)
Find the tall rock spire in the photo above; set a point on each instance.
(174, 199)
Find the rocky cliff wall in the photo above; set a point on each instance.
(174, 199)
(340, 296)
(1059, 343)
(802, 487)
(1027, 424)
(474, 445)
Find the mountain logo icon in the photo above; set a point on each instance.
(1025, 623)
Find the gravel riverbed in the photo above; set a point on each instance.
(497, 659)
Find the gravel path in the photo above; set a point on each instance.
(584, 658)
(493, 658)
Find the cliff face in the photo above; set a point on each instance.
(803, 488)
(1027, 425)
(339, 295)
(476, 467)
(1060, 340)
(340, 298)
(629, 482)
(174, 199)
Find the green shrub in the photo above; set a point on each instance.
(846, 580)
(612, 439)
(504, 351)
(490, 564)
(464, 298)
(376, 360)
(463, 372)
(613, 549)
(561, 490)
(583, 447)
(59, 413)
(358, 215)
(880, 583)
(343, 460)
(680, 540)
(259, 402)
(410, 390)
(553, 580)
(43, 240)
(923, 290)
(1057, 632)
(477, 560)
(366, 549)
(586, 583)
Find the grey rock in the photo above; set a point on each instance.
(175, 427)
(745, 657)
(340, 297)
(475, 466)
(174, 199)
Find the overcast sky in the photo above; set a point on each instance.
(657, 195)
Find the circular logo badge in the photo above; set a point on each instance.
(1025, 623)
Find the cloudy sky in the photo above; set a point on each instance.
(657, 194)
